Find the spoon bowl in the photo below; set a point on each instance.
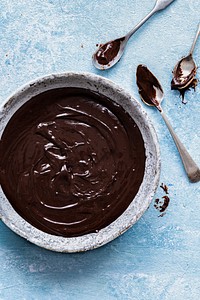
(184, 73)
(150, 89)
(107, 55)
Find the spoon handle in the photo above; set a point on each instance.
(191, 167)
(159, 5)
(195, 40)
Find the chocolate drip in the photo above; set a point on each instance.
(183, 74)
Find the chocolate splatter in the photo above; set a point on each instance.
(156, 203)
(162, 215)
(165, 203)
(161, 205)
(164, 187)
(71, 161)
(107, 52)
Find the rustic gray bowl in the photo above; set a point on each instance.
(152, 169)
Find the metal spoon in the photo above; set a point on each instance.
(107, 55)
(185, 70)
(152, 94)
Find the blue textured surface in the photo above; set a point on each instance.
(159, 257)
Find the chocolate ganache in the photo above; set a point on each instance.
(107, 52)
(71, 161)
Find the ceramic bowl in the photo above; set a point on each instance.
(152, 168)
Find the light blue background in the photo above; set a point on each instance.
(159, 257)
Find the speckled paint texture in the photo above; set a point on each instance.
(158, 258)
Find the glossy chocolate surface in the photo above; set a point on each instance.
(107, 52)
(71, 161)
(149, 87)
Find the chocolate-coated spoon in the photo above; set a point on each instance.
(152, 94)
(107, 55)
(185, 70)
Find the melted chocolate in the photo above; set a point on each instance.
(107, 52)
(148, 86)
(184, 76)
(71, 161)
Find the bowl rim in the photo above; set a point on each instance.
(152, 170)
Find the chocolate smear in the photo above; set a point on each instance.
(164, 187)
(107, 52)
(149, 87)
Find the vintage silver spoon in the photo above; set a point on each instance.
(108, 54)
(152, 94)
(185, 70)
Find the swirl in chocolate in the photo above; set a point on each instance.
(71, 161)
